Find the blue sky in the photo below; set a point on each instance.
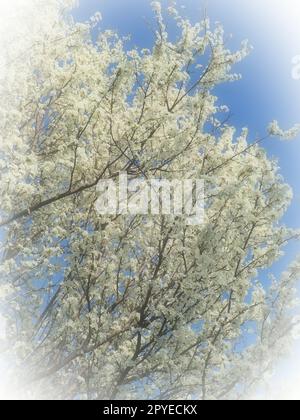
(266, 92)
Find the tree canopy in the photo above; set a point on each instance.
(129, 306)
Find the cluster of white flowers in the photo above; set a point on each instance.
(275, 130)
(95, 19)
(156, 6)
(112, 304)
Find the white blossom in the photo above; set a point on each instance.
(104, 307)
(156, 6)
(275, 130)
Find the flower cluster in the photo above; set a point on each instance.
(132, 306)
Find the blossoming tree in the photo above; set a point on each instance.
(131, 306)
